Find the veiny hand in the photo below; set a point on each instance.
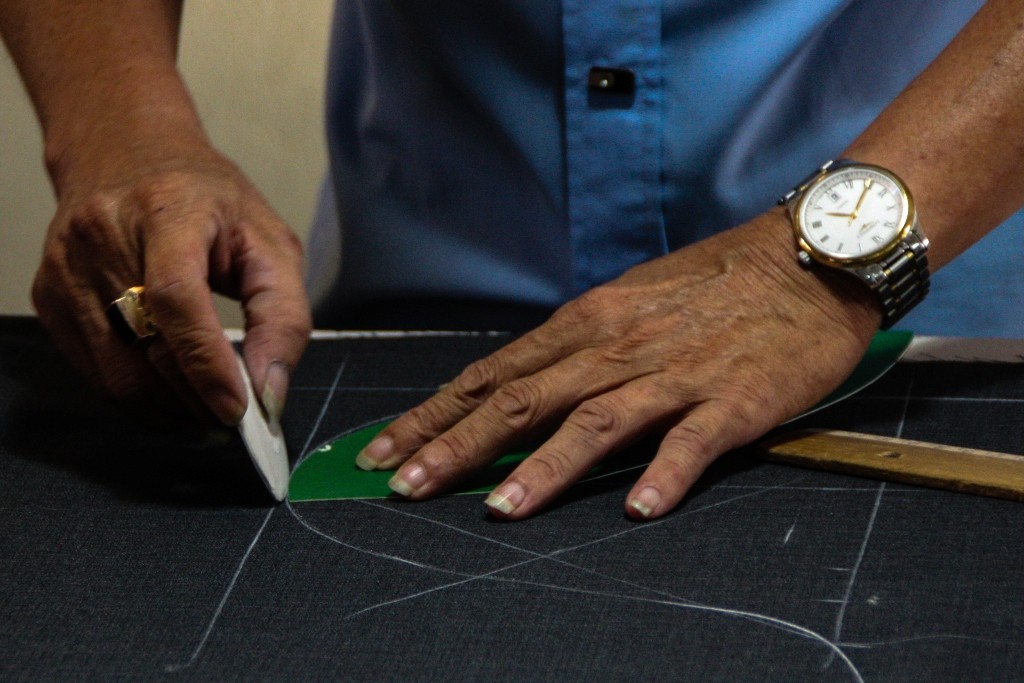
(171, 214)
(710, 346)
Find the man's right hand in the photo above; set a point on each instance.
(143, 199)
(183, 221)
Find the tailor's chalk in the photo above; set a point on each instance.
(263, 441)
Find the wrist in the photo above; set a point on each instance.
(120, 121)
(118, 147)
(846, 300)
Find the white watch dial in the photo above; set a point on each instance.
(853, 213)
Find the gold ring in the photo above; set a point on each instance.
(129, 316)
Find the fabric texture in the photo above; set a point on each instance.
(470, 160)
(128, 555)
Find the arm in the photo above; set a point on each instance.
(714, 344)
(957, 132)
(143, 198)
(96, 71)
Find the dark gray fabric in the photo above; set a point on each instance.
(130, 555)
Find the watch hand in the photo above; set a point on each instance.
(860, 200)
(841, 215)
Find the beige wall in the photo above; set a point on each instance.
(256, 71)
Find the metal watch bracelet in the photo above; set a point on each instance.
(901, 278)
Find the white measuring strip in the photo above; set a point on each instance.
(965, 350)
(236, 335)
(960, 349)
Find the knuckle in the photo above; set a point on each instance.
(291, 245)
(267, 244)
(517, 403)
(451, 450)
(190, 350)
(172, 274)
(58, 262)
(620, 352)
(479, 379)
(176, 202)
(97, 208)
(44, 294)
(92, 220)
(156, 193)
(739, 410)
(688, 439)
(589, 306)
(553, 465)
(751, 403)
(599, 419)
(167, 291)
(425, 419)
(605, 313)
(255, 240)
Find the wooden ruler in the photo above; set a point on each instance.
(966, 470)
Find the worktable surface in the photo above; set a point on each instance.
(130, 555)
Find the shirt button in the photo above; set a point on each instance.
(611, 80)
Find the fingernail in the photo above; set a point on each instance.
(407, 481)
(275, 389)
(646, 502)
(375, 453)
(506, 498)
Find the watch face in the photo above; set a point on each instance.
(853, 214)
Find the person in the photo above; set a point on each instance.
(614, 162)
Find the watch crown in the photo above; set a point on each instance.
(874, 275)
(805, 259)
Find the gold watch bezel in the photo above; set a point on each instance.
(909, 216)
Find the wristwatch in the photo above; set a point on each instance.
(861, 219)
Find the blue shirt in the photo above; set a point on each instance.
(469, 158)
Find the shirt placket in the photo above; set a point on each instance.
(613, 131)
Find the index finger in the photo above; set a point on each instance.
(523, 357)
(178, 295)
(277, 315)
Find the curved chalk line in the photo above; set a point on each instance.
(763, 619)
